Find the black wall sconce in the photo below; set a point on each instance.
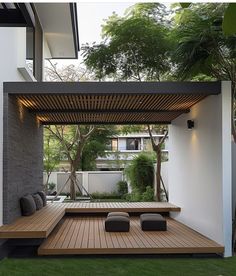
(190, 124)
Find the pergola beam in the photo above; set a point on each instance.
(111, 88)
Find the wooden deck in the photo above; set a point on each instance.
(131, 207)
(86, 235)
(41, 224)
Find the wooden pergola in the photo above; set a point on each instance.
(109, 102)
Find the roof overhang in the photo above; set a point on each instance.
(60, 26)
(110, 102)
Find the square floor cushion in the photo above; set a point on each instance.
(153, 222)
(122, 214)
(117, 224)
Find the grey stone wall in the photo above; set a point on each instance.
(22, 157)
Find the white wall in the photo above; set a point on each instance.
(12, 56)
(104, 182)
(233, 177)
(165, 174)
(197, 179)
(93, 181)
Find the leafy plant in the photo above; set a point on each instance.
(122, 188)
(135, 195)
(148, 195)
(141, 172)
(50, 186)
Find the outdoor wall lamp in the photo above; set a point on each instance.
(190, 124)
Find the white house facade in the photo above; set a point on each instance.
(124, 148)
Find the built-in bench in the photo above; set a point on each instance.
(42, 223)
(38, 225)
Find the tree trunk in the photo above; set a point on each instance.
(72, 182)
(158, 175)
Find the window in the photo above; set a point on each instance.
(113, 144)
(133, 144)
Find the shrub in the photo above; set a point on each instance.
(122, 188)
(51, 186)
(148, 195)
(141, 172)
(134, 195)
(98, 195)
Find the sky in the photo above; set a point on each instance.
(90, 18)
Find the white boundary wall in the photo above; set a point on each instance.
(12, 56)
(200, 168)
(93, 181)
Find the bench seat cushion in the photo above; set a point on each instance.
(117, 224)
(153, 222)
(43, 196)
(28, 206)
(38, 201)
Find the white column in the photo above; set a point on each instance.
(227, 167)
(1, 152)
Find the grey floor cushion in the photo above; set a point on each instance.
(123, 214)
(38, 201)
(43, 196)
(117, 224)
(153, 222)
(28, 206)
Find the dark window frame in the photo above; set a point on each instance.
(136, 146)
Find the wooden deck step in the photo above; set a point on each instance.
(39, 225)
(132, 207)
(86, 235)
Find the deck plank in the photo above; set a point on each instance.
(92, 239)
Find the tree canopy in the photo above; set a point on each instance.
(202, 48)
(134, 48)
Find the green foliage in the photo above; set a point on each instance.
(122, 188)
(134, 196)
(135, 48)
(185, 5)
(96, 146)
(201, 47)
(229, 22)
(71, 140)
(52, 152)
(141, 172)
(148, 195)
(50, 186)
(113, 195)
